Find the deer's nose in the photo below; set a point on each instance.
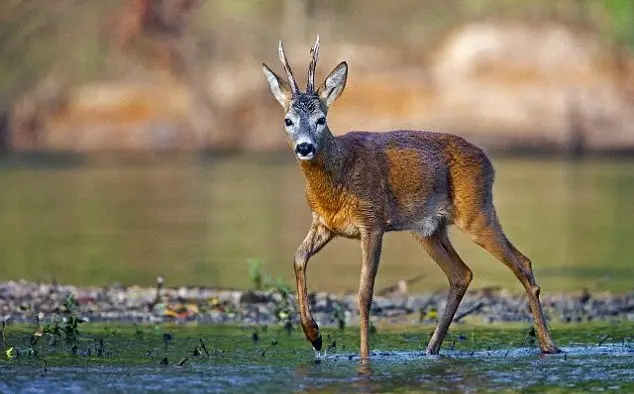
(305, 149)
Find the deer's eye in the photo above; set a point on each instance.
(321, 121)
(288, 122)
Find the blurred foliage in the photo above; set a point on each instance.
(621, 20)
(68, 39)
(58, 37)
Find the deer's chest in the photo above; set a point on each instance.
(337, 213)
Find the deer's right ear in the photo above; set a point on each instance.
(280, 89)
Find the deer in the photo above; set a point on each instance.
(362, 184)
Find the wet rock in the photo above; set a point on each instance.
(250, 297)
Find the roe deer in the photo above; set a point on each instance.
(362, 184)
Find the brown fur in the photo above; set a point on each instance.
(361, 185)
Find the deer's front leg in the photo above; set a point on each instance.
(317, 238)
(371, 254)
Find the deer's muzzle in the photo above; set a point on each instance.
(305, 151)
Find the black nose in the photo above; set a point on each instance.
(304, 149)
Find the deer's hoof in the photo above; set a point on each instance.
(317, 343)
(551, 350)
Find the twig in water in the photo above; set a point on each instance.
(167, 337)
(34, 339)
(183, 361)
(273, 343)
(530, 337)
(3, 337)
(100, 347)
(332, 345)
(602, 341)
(202, 346)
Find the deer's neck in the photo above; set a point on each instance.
(324, 173)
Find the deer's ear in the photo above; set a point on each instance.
(333, 86)
(280, 89)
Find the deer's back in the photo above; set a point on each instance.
(412, 179)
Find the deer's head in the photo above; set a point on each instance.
(305, 117)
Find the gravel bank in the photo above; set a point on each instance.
(22, 301)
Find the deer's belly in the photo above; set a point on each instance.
(425, 225)
(340, 225)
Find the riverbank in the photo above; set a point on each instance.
(22, 301)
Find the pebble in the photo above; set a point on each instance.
(22, 301)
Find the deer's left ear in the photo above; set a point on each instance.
(280, 89)
(334, 84)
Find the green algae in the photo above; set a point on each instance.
(181, 358)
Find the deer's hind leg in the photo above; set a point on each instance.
(459, 275)
(486, 231)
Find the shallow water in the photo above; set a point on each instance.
(482, 359)
(196, 221)
(605, 369)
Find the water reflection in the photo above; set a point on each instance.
(460, 371)
(197, 222)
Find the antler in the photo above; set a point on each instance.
(314, 55)
(287, 68)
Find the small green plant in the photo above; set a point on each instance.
(64, 324)
(261, 281)
(282, 308)
(72, 320)
(339, 316)
(255, 273)
(278, 286)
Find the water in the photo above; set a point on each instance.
(197, 220)
(487, 359)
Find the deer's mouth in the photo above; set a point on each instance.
(309, 156)
(305, 151)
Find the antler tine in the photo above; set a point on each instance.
(314, 55)
(287, 68)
